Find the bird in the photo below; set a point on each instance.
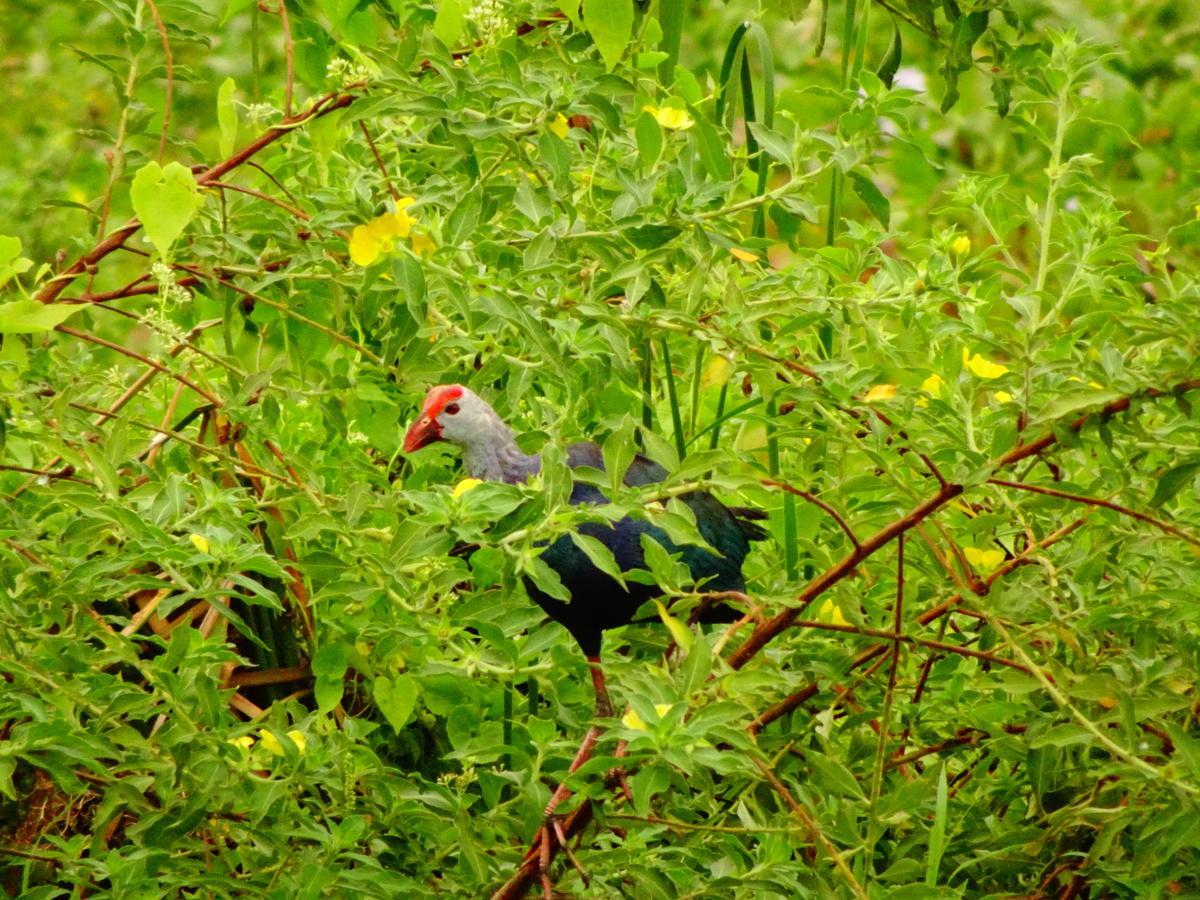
(457, 415)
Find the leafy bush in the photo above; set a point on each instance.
(919, 282)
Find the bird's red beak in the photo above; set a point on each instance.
(424, 431)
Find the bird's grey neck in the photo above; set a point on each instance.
(498, 458)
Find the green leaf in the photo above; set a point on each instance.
(670, 14)
(166, 199)
(650, 237)
(11, 261)
(967, 30)
(649, 139)
(610, 23)
(680, 633)
(774, 143)
(697, 666)
(329, 666)
(601, 557)
(227, 117)
(891, 61)
(8, 766)
(869, 194)
(1174, 480)
(545, 578)
(1068, 403)
(450, 21)
(618, 451)
(570, 9)
(31, 317)
(396, 698)
(832, 775)
(937, 834)
(463, 219)
(554, 153)
(710, 148)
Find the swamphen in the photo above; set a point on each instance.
(456, 414)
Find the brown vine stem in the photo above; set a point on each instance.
(802, 814)
(93, 339)
(114, 241)
(379, 161)
(289, 52)
(170, 63)
(767, 632)
(1096, 501)
(300, 317)
(909, 639)
(817, 502)
(806, 693)
(287, 207)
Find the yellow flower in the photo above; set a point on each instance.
(560, 126)
(743, 255)
(983, 560)
(880, 392)
(389, 226)
(199, 541)
(983, 368)
(463, 486)
(422, 244)
(272, 745)
(364, 246)
(245, 742)
(1003, 397)
(368, 241)
(831, 613)
(933, 384)
(632, 720)
(670, 117)
(1197, 208)
(961, 245)
(716, 372)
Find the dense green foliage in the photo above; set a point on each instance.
(883, 255)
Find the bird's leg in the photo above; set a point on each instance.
(551, 829)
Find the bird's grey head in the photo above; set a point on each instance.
(455, 414)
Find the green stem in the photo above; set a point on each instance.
(673, 399)
(647, 387)
(1055, 173)
(720, 417)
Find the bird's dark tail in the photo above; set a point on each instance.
(746, 516)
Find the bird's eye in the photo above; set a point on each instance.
(451, 409)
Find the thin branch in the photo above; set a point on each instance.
(114, 241)
(289, 52)
(810, 823)
(93, 339)
(806, 693)
(818, 502)
(166, 45)
(1096, 501)
(65, 474)
(968, 737)
(300, 317)
(287, 207)
(839, 571)
(909, 639)
(379, 161)
(947, 492)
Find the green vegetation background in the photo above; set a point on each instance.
(868, 251)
